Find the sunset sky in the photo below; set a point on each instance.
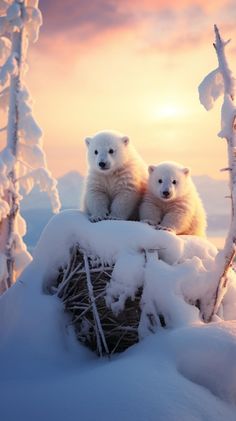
(133, 66)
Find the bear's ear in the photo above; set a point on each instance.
(186, 171)
(87, 140)
(125, 140)
(151, 168)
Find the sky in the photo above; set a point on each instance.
(131, 66)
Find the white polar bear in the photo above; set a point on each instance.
(116, 180)
(172, 201)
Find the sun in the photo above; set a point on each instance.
(169, 110)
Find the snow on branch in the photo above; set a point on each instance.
(42, 177)
(23, 161)
(211, 88)
(221, 81)
(5, 48)
(10, 68)
(4, 99)
(229, 81)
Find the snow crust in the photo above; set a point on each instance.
(185, 371)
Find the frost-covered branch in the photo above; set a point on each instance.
(221, 81)
(42, 177)
(23, 160)
(229, 81)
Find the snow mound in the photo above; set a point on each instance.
(184, 372)
(175, 272)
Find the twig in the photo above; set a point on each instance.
(97, 322)
(67, 277)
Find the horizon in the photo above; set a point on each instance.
(212, 192)
(134, 68)
(192, 175)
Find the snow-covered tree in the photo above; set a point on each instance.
(22, 160)
(221, 82)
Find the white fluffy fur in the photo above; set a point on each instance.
(114, 191)
(182, 210)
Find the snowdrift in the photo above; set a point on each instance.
(185, 371)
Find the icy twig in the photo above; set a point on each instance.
(98, 327)
(67, 279)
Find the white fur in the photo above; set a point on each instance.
(172, 201)
(114, 191)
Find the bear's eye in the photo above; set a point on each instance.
(174, 182)
(96, 152)
(160, 181)
(111, 151)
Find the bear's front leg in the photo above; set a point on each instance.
(97, 205)
(149, 213)
(124, 205)
(175, 221)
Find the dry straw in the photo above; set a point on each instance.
(81, 285)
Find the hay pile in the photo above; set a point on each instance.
(81, 285)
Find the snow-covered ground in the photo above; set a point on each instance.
(186, 371)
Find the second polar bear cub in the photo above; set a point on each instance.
(172, 201)
(117, 177)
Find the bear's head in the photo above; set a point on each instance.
(169, 180)
(107, 151)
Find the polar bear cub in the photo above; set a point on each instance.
(172, 201)
(117, 177)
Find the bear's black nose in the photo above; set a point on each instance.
(166, 193)
(102, 164)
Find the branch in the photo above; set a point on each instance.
(226, 256)
(97, 323)
(229, 81)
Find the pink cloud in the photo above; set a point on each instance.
(166, 24)
(76, 27)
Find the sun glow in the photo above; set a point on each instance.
(169, 111)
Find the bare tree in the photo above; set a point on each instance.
(221, 81)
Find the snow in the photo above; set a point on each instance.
(220, 82)
(4, 99)
(5, 48)
(13, 11)
(33, 20)
(4, 26)
(3, 5)
(186, 371)
(42, 177)
(187, 265)
(9, 68)
(211, 88)
(24, 136)
(228, 112)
